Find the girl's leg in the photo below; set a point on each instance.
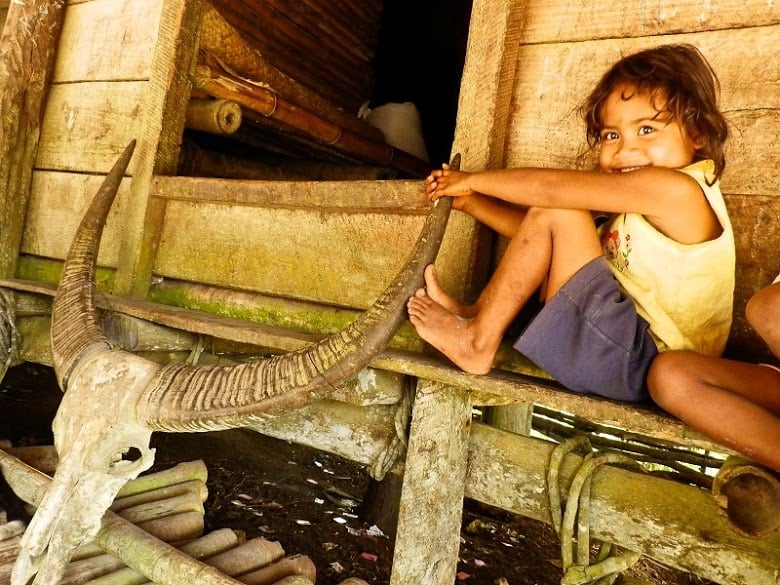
(551, 244)
(763, 314)
(734, 403)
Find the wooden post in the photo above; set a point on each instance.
(27, 50)
(481, 129)
(165, 104)
(428, 536)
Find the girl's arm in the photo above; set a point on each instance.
(670, 200)
(497, 215)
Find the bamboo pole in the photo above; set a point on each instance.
(221, 43)
(184, 503)
(201, 548)
(750, 495)
(27, 50)
(265, 102)
(9, 548)
(83, 570)
(220, 117)
(42, 457)
(183, 472)
(175, 528)
(294, 580)
(159, 561)
(250, 556)
(288, 566)
(12, 529)
(195, 487)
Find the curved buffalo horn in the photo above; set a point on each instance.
(182, 397)
(75, 330)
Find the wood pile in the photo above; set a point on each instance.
(169, 506)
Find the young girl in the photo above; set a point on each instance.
(659, 275)
(734, 403)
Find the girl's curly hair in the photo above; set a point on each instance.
(681, 82)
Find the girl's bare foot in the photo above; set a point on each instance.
(451, 334)
(434, 290)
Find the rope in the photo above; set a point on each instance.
(9, 336)
(196, 351)
(397, 445)
(610, 559)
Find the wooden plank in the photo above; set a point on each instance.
(756, 222)
(87, 125)
(546, 129)
(429, 518)
(345, 196)
(59, 199)
(555, 21)
(107, 40)
(27, 50)
(57, 203)
(345, 259)
(496, 388)
(486, 85)
(164, 106)
(334, 242)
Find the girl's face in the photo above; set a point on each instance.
(636, 134)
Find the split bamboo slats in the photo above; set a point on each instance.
(300, 74)
(326, 45)
(168, 505)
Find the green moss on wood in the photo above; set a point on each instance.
(281, 313)
(49, 271)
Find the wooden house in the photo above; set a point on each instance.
(217, 94)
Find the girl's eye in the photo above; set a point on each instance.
(646, 130)
(608, 135)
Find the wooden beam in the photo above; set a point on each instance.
(27, 49)
(428, 535)
(164, 106)
(553, 21)
(672, 522)
(407, 196)
(487, 82)
(498, 387)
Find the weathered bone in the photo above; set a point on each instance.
(114, 400)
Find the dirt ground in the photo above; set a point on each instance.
(310, 501)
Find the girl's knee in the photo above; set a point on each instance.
(763, 307)
(763, 315)
(668, 372)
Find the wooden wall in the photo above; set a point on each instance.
(3, 11)
(121, 74)
(94, 108)
(550, 55)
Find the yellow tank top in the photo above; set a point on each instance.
(684, 291)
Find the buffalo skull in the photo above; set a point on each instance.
(113, 400)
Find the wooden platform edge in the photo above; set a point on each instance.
(496, 388)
